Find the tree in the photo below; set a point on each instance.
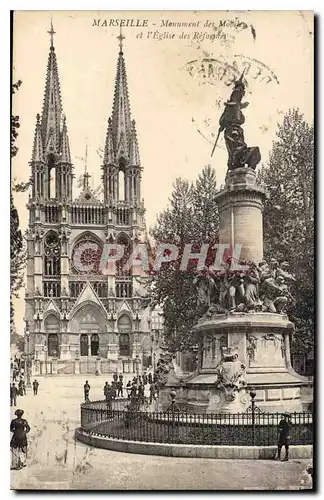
(191, 218)
(289, 217)
(17, 249)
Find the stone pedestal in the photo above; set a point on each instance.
(65, 352)
(98, 365)
(240, 206)
(112, 352)
(262, 343)
(54, 366)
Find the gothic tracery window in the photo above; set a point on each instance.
(86, 255)
(52, 255)
(122, 267)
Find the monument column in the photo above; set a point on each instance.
(240, 206)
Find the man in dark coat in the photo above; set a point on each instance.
(13, 395)
(35, 387)
(86, 389)
(284, 437)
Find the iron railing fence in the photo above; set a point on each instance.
(237, 429)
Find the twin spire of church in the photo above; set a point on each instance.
(51, 136)
(121, 138)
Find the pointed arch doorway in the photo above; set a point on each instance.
(90, 323)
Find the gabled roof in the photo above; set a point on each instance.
(51, 307)
(124, 307)
(87, 295)
(87, 197)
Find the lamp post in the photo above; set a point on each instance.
(154, 361)
(152, 348)
(252, 396)
(137, 361)
(27, 335)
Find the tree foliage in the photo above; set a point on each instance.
(17, 248)
(289, 217)
(191, 218)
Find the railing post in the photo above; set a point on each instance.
(252, 396)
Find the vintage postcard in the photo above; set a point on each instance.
(162, 250)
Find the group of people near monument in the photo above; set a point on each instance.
(143, 387)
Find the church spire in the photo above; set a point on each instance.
(121, 162)
(109, 155)
(38, 143)
(121, 117)
(65, 156)
(52, 106)
(134, 156)
(51, 142)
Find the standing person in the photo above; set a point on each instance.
(149, 378)
(141, 393)
(133, 391)
(120, 387)
(115, 377)
(128, 389)
(21, 387)
(284, 437)
(147, 393)
(24, 387)
(114, 389)
(18, 444)
(86, 389)
(152, 392)
(145, 378)
(14, 375)
(13, 395)
(106, 389)
(35, 387)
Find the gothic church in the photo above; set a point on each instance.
(79, 318)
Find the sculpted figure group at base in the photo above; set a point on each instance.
(261, 287)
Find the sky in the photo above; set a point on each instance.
(176, 88)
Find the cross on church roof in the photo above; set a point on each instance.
(121, 38)
(51, 33)
(86, 178)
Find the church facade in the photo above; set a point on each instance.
(83, 316)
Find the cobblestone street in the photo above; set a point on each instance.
(56, 461)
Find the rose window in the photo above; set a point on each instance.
(86, 257)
